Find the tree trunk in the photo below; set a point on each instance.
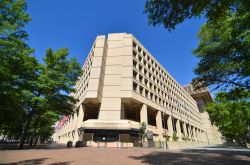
(36, 141)
(34, 131)
(24, 130)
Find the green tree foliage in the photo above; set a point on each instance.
(56, 78)
(173, 12)
(32, 95)
(231, 112)
(224, 52)
(175, 137)
(17, 66)
(224, 40)
(142, 132)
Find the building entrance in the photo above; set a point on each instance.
(106, 136)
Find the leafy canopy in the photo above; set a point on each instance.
(224, 52)
(232, 115)
(173, 12)
(224, 48)
(31, 94)
(17, 66)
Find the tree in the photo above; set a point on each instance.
(175, 137)
(173, 12)
(224, 52)
(46, 125)
(17, 66)
(142, 132)
(232, 115)
(224, 39)
(29, 91)
(56, 79)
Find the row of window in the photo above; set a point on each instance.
(152, 84)
(140, 89)
(82, 83)
(146, 66)
(151, 77)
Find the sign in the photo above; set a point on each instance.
(149, 135)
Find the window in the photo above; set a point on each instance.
(141, 90)
(139, 58)
(151, 96)
(150, 85)
(139, 49)
(140, 78)
(134, 53)
(134, 74)
(149, 74)
(134, 44)
(146, 92)
(135, 86)
(140, 68)
(134, 63)
(145, 72)
(145, 82)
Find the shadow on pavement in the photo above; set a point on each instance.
(36, 161)
(187, 157)
(26, 147)
(28, 162)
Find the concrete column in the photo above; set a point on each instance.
(170, 126)
(144, 114)
(178, 130)
(185, 129)
(80, 115)
(159, 125)
(194, 134)
(122, 111)
(74, 124)
(199, 134)
(78, 135)
(190, 131)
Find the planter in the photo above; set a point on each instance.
(81, 144)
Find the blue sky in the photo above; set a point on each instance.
(74, 24)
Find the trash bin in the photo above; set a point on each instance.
(69, 144)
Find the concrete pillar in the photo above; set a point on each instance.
(144, 114)
(199, 134)
(190, 131)
(170, 126)
(178, 130)
(78, 135)
(194, 134)
(122, 111)
(185, 129)
(159, 125)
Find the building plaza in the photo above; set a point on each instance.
(122, 86)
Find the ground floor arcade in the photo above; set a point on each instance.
(86, 125)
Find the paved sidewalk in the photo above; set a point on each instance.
(118, 156)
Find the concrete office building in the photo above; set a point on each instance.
(122, 86)
(203, 97)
